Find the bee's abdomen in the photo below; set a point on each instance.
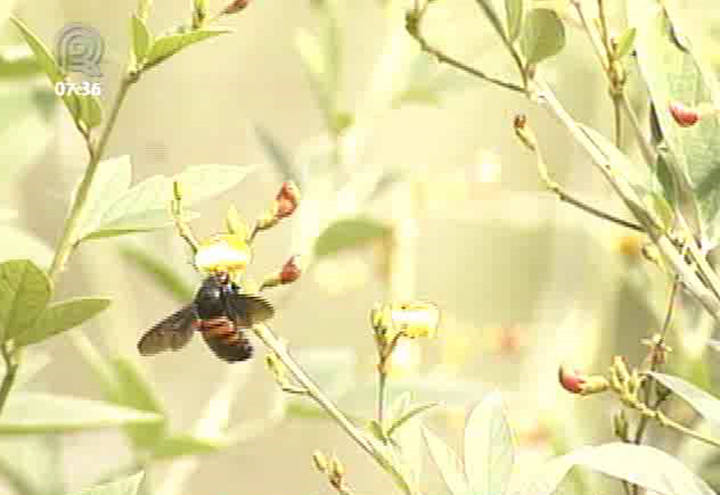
(225, 339)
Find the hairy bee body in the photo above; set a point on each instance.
(220, 312)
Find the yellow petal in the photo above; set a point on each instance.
(223, 252)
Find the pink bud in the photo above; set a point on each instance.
(287, 200)
(685, 116)
(236, 6)
(571, 380)
(291, 270)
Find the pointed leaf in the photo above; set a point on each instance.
(448, 464)
(141, 38)
(489, 452)
(543, 35)
(126, 486)
(515, 10)
(24, 293)
(43, 56)
(410, 414)
(135, 391)
(704, 403)
(489, 10)
(625, 42)
(200, 182)
(184, 445)
(27, 412)
(278, 155)
(59, 317)
(112, 179)
(165, 47)
(350, 233)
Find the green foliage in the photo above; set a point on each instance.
(448, 463)
(704, 403)
(515, 11)
(24, 294)
(25, 316)
(141, 38)
(15, 64)
(489, 452)
(184, 444)
(674, 74)
(86, 110)
(114, 208)
(350, 233)
(27, 412)
(59, 317)
(278, 155)
(625, 42)
(629, 462)
(30, 464)
(164, 47)
(543, 35)
(126, 486)
(409, 414)
(159, 271)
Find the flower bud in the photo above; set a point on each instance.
(235, 7)
(416, 319)
(320, 461)
(291, 270)
(287, 200)
(620, 425)
(576, 382)
(685, 116)
(337, 470)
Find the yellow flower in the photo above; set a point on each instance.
(415, 319)
(223, 253)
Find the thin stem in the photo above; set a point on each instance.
(382, 398)
(646, 148)
(617, 114)
(11, 367)
(564, 196)
(265, 334)
(414, 28)
(67, 241)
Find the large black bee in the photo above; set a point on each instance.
(220, 312)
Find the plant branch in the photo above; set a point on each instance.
(67, 241)
(279, 348)
(11, 366)
(413, 25)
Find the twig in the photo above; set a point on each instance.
(11, 366)
(181, 225)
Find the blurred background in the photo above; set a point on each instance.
(524, 281)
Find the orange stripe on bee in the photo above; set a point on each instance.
(219, 327)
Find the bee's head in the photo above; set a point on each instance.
(209, 298)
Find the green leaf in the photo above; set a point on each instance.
(489, 452)
(157, 269)
(18, 62)
(674, 74)
(27, 412)
(200, 182)
(126, 486)
(59, 317)
(29, 464)
(645, 466)
(112, 180)
(410, 414)
(165, 47)
(141, 38)
(277, 154)
(184, 444)
(90, 111)
(24, 293)
(515, 11)
(17, 243)
(543, 35)
(489, 10)
(376, 430)
(625, 42)
(42, 55)
(448, 464)
(350, 233)
(134, 390)
(704, 403)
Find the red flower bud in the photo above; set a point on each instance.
(576, 382)
(287, 200)
(236, 6)
(685, 116)
(291, 270)
(571, 380)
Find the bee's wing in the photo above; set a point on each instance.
(234, 348)
(172, 333)
(249, 309)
